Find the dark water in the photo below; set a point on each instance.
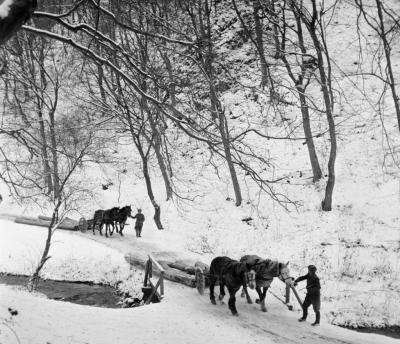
(390, 331)
(82, 293)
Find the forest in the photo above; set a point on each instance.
(237, 125)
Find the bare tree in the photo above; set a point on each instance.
(190, 100)
(386, 24)
(34, 78)
(313, 21)
(300, 66)
(200, 14)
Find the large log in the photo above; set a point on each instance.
(171, 274)
(33, 221)
(177, 276)
(65, 220)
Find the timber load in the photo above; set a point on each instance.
(44, 221)
(180, 271)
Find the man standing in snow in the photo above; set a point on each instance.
(139, 223)
(313, 296)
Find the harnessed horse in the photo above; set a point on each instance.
(266, 270)
(233, 275)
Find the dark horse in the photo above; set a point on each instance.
(265, 270)
(123, 215)
(105, 217)
(97, 219)
(109, 218)
(233, 275)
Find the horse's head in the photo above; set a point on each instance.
(251, 279)
(250, 274)
(284, 273)
(128, 210)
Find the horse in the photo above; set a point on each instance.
(122, 216)
(97, 220)
(266, 270)
(233, 274)
(109, 217)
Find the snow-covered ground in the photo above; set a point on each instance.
(72, 258)
(182, 317)
(356, 246)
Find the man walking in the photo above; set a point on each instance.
(313, 296)
(139, 222)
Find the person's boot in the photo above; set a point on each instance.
(317, 319)
(304, 317)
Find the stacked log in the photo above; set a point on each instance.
(179, 271)
(44, 221)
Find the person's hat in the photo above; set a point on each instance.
(312, 268)
(140, 210)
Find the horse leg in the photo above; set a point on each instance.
(212, 285)
(101, 227)
(112, 232)
(259, 292)
(262, 299)
(245, 292)
(94, 226)
(121, 227)
(107, 229)
(232, 301)
(221, 291)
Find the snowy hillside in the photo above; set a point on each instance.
(356, 246)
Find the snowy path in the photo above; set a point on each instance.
(184, 307)
(182, 317)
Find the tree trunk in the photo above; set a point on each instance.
(387, 48)
(56, 177)
(157, 209)
(146, 174)
(260, 44)
(160, 158)
(228, 157)
(317, 174)
(34, 278)
(43, 148)
(324, 82)
(217, 113)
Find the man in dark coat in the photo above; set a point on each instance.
(139, 222)
(313, 296)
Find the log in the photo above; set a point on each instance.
(65, 220)
(136, 261)
(178, 276)
(182, 267)
(170, 274)
(33, 221)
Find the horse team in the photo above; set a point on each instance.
(251, 271)
(111, 218)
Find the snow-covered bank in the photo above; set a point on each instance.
(72, 258)
(182, 317)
